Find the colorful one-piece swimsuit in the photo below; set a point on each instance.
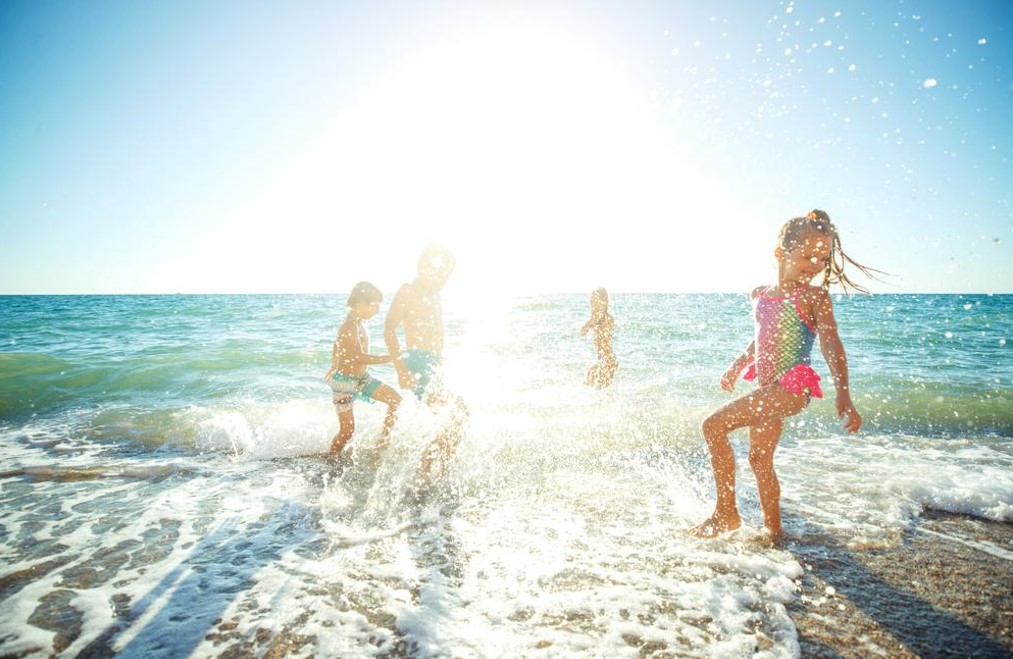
(784, 341)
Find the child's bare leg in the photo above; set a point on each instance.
(347, 421)
(754, 409)
(726, 515)
(443, 447)
(608, 372)
(437, 451)
(763, 440)
(392, 399)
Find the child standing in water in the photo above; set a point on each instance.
(349, 378)
(417, 310)
(788, 316)
(602, 323)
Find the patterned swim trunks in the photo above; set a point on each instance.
(347, 388)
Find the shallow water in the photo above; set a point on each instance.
(158, 501)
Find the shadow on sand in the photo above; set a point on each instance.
(192, 598)
(928, 597)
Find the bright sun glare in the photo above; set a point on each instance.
(519, 148)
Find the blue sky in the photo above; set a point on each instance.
(248, 147)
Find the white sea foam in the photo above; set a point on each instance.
(562, 563)
(878, 485)
(584, 553)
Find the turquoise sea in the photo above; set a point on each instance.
(159, 496)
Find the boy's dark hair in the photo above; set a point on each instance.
(364, 293)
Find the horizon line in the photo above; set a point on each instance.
(499, 293)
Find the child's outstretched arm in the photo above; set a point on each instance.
(369, 358)
(837, 361)
(732, 374)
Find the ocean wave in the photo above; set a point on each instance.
(938, 408)
(32, 383)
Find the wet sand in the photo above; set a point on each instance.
(939, 593)
(944, 590)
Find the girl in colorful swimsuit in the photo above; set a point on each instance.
(348, 377)
(788, 317)
(601, 324)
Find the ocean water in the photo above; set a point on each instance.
(160, 496)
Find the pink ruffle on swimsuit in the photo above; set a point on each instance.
(784, 341)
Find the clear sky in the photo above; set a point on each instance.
(643, 145)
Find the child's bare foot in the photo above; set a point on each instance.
(768, 540)
(716, 525)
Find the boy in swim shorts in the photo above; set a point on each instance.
(416, 309)
(348, 377)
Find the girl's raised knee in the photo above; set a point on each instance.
(710, 427)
